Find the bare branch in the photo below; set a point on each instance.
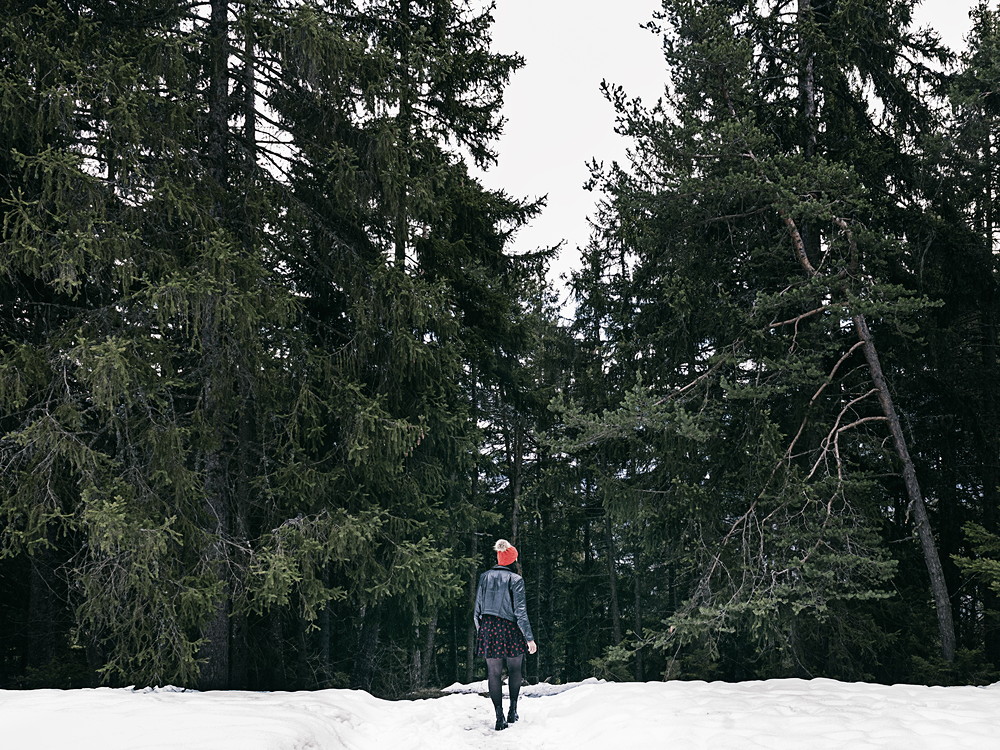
(835, 431)
(798, 318)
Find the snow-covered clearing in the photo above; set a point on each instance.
(771, 715)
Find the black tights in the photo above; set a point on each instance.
(493, 669)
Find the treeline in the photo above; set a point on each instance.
(272, 378)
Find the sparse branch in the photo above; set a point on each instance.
(831, 436)
(801, 317)
(829, 379)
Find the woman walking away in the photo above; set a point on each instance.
(501, 619)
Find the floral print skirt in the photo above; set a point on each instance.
(499, 638)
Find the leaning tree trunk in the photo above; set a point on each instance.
(939, 587)
(932, 559)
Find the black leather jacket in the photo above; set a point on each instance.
(501, 593)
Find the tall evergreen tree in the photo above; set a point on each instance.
(761, 226)
(242, 260)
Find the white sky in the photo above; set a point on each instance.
(557, 119)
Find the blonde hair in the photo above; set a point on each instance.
(501, 545)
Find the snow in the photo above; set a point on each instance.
(771, 715)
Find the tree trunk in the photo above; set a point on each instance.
(939, 587)
(325, 637)
(400, 231)
(473, 552)
(639, 666)
(616, 617)
(215, 672)
(454, 631)
(470, 630)
(41, 610)
(988, 446)
(416, 662)
(807, 113)
(276, 664)
(365, 658)
(545, 627)
(427, 662)
(516, 462)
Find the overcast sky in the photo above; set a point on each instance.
(557, 119)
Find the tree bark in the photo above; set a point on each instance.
(939, 587)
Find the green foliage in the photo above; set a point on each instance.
(237, 329)
(732, 258)
(986, 563)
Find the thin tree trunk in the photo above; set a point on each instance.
(470, 629)
(365, 658)
(516, 462)
(807, 112)
(544, 598)
(939, 587)
(277, 665)
(325, 636)
(454, 630)
(639, 666)
(616, 617)
(989, 189)
(427, 660)
(405, 124)
(416, 662)
(807, 80)
(41, 609)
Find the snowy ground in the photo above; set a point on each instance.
(772, 715)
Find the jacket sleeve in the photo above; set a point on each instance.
(521, 607)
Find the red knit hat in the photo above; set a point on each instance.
(506, 552)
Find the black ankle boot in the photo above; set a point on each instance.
(501, 721)
(512, 714)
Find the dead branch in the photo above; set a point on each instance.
(816, 395)
(835, 430)
(801, 317)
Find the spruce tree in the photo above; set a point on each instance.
(236, 241)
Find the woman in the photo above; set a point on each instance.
(501, 618)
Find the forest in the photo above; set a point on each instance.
(273, 377)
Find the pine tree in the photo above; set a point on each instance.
(741, 258)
